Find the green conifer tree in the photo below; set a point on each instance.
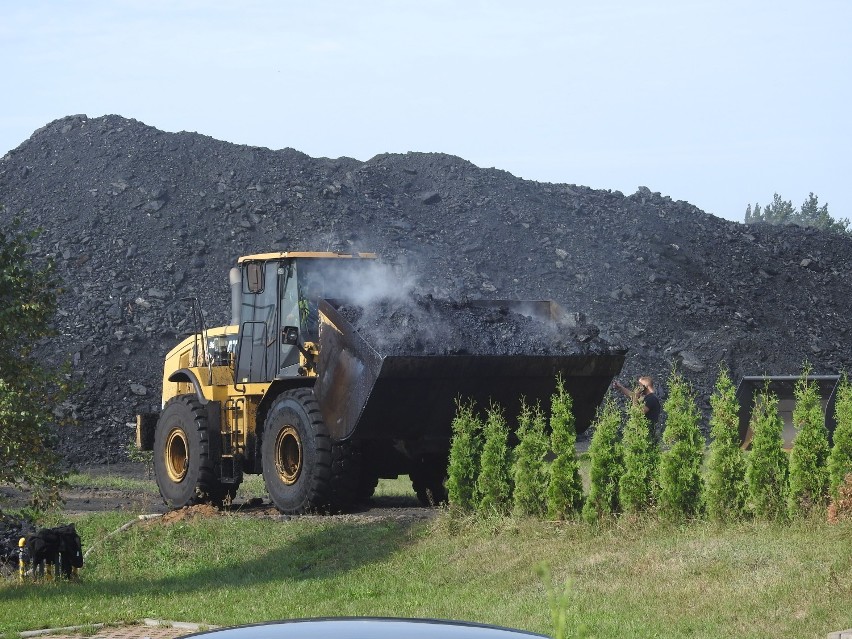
(529, 470)
(465, 449)
(840, 458)
(811, 214)
(494, 485)
(766, 474)
(636, 489)
(809, 457)
(565, 489)
(781, 211)
(680, 480)
(605, 467)
(726, 467)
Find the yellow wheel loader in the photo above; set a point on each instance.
(292, 390)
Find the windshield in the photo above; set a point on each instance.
(331, 278)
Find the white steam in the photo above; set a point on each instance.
(376, 281)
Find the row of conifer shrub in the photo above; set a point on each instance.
(683, 478)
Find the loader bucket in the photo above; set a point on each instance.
(372, 388)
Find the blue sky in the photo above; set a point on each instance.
(719, 103)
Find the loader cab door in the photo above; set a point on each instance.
(260, 353)
(258, 315)
(289, 363)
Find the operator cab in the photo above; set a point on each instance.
(278, 316)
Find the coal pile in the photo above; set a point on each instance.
(424, 325)
(138, 219)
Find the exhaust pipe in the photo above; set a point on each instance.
(236, 279)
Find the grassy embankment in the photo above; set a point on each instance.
(635, 578)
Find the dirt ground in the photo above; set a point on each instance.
(79, 500)
(88, 499)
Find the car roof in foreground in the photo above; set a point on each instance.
(367, 628)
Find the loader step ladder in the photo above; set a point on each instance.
(233, 440)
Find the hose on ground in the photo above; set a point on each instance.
(121, 529)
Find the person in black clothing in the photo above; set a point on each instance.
(647, 400)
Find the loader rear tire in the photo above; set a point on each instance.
(182, 464)
(296, 454)
(367, 486)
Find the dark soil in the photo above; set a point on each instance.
(138, 219)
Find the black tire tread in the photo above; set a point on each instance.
(367, 484)
(207, 486)
(319, 491)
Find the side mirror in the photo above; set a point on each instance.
(290, 335)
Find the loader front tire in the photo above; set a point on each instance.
(296, 454)
(182, 464)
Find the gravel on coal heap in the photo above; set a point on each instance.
(423, 324)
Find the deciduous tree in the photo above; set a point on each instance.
(29, 388)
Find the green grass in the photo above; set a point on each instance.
(636, 578)
(251, 487)
(388, 492)
(111, 482)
